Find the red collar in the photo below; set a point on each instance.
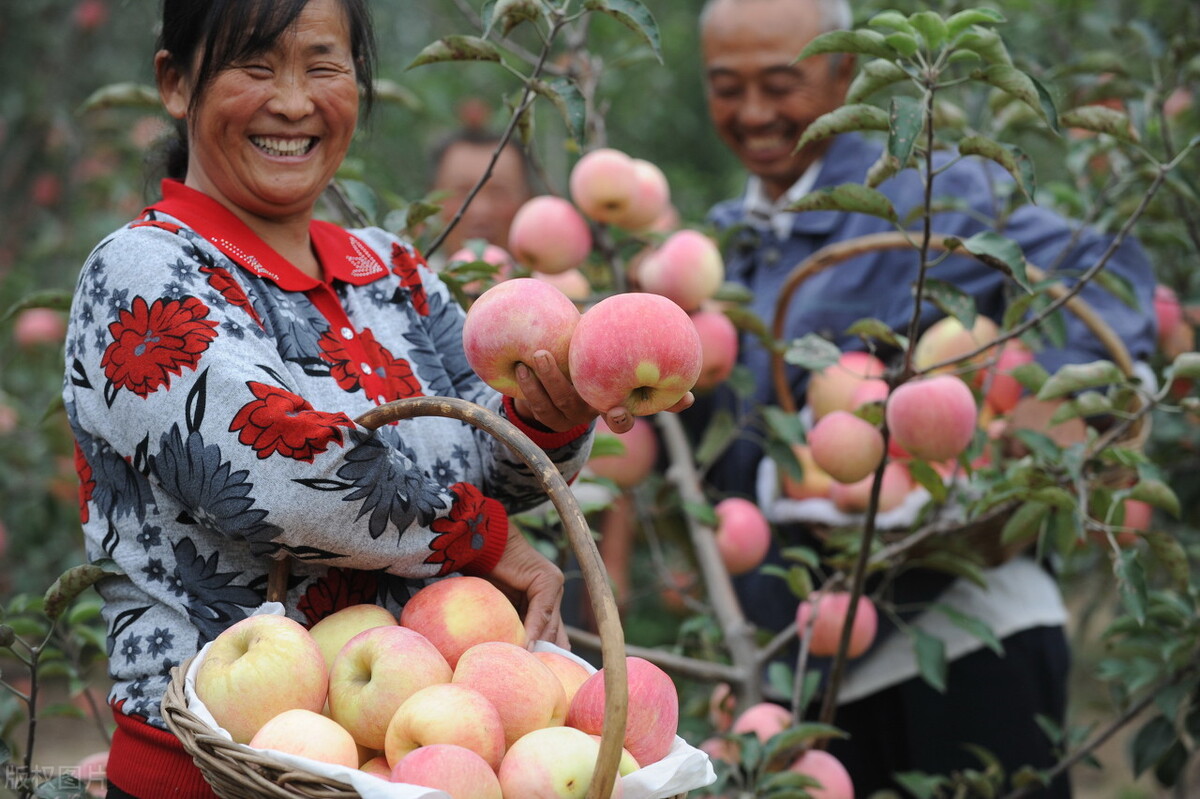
(342, 256)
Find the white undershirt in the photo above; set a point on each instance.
(762, 212)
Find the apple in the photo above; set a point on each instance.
(547, 234)
(1167, 309)
(1002, 390)
(378, 766)
(742, 535)
(571, 673)
(627, 764)
(855, 497)
(846, 447)
(573, 283)
(719, 347)
(375, 672)
(511, 321)
(305, 733)
(524, 690)
(455, 613)
(831, 388)
(636, 350)
(828, 771)
(1034, 414)
(948, 339)
(636, 463)
(36, 326)
(1177, 102)
(719, 748)
(552, 763)
(458, 771)
(815, 483)
(828, 611)
(446, 713)
(722, 703)
(332, 632)
(765, 720)
(687, 268)
(651, 198)
(257, 668)
(932, 418)
(603, 184)
(653, 715)
(9, 418)
(873, 389)
(490, 253)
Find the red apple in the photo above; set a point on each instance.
(1002, 389)
(874, 389)
(636, 463)
(687, 268)
(845, 446)
(455, 613)
(719, 346)
(722, 703)
(828, 771)
(456, 770)
(446, 713)
(524, 690)
(489, 253)
(653, 715)
(511, 321)
(603, 184)
(765, 720)
(651, 198)
(308, 734)
(934, 418)
(36, 326)
(378, 766)
(90, 14)
(573, 283)
(831, 388)
(855, 497)
(638, 350)
(742, 535)
(548, 234)
(829, 619)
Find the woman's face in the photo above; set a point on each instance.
(270, 132)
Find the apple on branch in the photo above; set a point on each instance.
(651, 200)
(846, 447)
(827, 612)
(686, 268)
(719, 343)
(743, 535)
(832, 778)
(831, 388)
(548, 234)
(637, 461)
(603, 184)
(933, 418)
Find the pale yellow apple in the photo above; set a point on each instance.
(332, 632)
(447, 713)
(569, 672)
(307, 734)
(551, 763)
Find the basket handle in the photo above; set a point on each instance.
(833, 254)
(608, 622)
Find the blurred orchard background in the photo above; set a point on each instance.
(79, 134)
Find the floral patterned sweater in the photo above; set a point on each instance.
(211, 388)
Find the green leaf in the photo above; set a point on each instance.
(633, 15)
(972, 625)
(1101, 119)
(1158, 494)
(392, 92)
(951, 300)
(930, 652)
(1169, 552)
(849, 197)
(884, 167)
(456, 48)
(54, 299)
(1089, 403)
(906, 44)
(701, 512)
(1119, 286)
(511, 13)
(929, 479)
(1024, 524)
(1032, 376)
(860, 42)
(999, 252)
(1055, 497)
(73, 582)
(859, 116)
(932, 28)
(1151, 743)
(877, 330)
(1015, 83)
(987, 43)
(891, 19)
(779, 677)
(1077, 377)
(907, 120)
(920, 784)
(1049, 107)
(1131, 583)
(812, 352)
(718, 435)
(1186, 366)
(873, 76)
(959, 22)
(569, 101)
(1017, 310)
(121, 95)
(787, 426)
(1012, 158)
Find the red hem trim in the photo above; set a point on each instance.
(149, 762)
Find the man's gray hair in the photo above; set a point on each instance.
(835, 14)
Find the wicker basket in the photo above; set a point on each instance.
(982, 534)
(238, 772)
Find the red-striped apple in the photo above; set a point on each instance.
(653, 715)
(524, 690)
(687, 268)
(455, 613)
(446, 713)
(603, 184)
(831, 388)
(845, 446)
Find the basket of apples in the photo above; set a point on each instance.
(450, 698)
(968, 380)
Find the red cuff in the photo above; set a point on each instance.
(546, 439)
(146, 761)
(495, 538)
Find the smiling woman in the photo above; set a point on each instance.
(221, 345)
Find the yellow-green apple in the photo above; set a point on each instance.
(627, 764)
(828, 771)
(637, 461)
(933, 418)
(743, 535)
(378, 766)
(828, 611)
(524, 690)
(687, 268)
(548, 234)
(719, 347)
(764, 719)
(846, 447)
(332, 632)
(1001, 390)
(635, 350)
(571, 673)
(653, 715)
(458, 771)
(305, 733)
(948, 339)
(831, 388)
(375, 672)
(455, 613)
(603, 184)
(552, 763)
(446, 713)
(573, 282)
(511, 321)
(36, 326)
(257, 668)
(814, 482)
(651, 198)
(855, 497)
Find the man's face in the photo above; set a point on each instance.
(491, 211)
(759, 100)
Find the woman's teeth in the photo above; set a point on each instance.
(274, 146)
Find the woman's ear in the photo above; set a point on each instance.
(173, 86)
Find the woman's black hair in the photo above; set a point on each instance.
(228, 31)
